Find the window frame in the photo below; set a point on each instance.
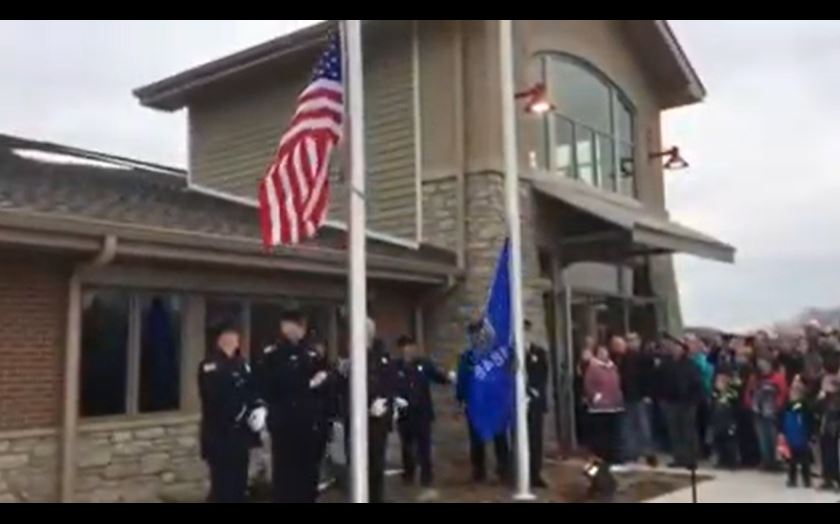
(617, 98)
(134, 347)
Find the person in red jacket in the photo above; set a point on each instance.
(605, 403)
(766, 395)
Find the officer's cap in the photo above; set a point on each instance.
(292, 315)
(225, 326)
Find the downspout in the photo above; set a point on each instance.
(461, 146)
(72, 360)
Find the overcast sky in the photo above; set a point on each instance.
(763, 148)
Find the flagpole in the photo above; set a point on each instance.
(511, 160)
(357, 288)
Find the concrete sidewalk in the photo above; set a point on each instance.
(748, 487)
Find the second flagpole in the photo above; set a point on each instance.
(511, 159)
(357, 286)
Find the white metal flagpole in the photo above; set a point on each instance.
(352, 30)
(511, 159)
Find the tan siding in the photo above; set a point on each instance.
(233, 133)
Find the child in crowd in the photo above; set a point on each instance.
(724, 402)
(797, 429)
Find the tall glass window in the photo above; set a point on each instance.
(591, 135)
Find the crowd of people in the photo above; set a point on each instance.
(754, 401)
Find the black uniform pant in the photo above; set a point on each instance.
(416, 438)
(295, 465)
(228, 474)
(800, 460)
(535, 441)
(377, 448)
(502, 449)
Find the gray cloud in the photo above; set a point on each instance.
(763, 148)
(764, 177)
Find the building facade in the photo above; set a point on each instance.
(133, 275)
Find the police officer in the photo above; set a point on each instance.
(292, 378)
(231, 417)
(536, 366)
(382, 386)
(416, 409)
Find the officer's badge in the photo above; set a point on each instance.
(534, 359)
(269, 350)
(293, 358)
(247, 367)
(385, 360)
(420, 368)
(210, 367)
(312, 354)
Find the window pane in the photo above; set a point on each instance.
(606, 163)
(160, 354)
(586, 156)
(625, 123)
(564, 138)
(580, 95)
(104, 365)
(220, 312)
(627, 182)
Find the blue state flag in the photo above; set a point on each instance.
(491, 393)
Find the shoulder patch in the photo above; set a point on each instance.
(210, 367)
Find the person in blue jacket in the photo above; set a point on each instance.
(479, 340)
(798, 430)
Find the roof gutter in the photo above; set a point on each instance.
(80, 235)
(72, 364)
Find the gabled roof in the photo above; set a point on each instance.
(665, 57)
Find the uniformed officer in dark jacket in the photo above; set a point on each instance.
(231, 417)
(382, 390)
(415, 374)
(292, 378)
(536, 366)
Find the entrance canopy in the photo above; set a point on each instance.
(620, 227)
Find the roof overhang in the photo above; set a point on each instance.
(662, 55)
(83, 237)
(171, 94)
(631, 222)
(656, 42)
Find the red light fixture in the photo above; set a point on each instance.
(537, 100)
(674, 159)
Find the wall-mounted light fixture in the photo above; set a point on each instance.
(537, 102)
(674, 159)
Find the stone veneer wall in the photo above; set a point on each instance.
(486, 231)
(142, 461)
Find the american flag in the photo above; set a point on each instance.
(294, 195)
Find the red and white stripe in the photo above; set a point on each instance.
(294, 196)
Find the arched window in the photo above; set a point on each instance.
(591, 136)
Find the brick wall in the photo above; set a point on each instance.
(32, 318)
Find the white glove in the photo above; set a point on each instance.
(452, 376)
(379, 408)
(401, 403)
(318, 379)
(257, 419)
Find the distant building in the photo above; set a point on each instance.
(112, 269)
